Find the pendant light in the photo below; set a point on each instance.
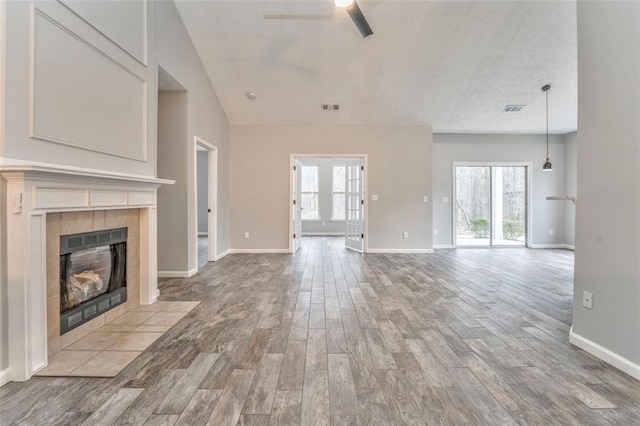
(547, 167)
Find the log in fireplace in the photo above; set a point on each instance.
(92, 275)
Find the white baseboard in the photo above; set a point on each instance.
(223, 254)
(4, 376)
(621, 363)
(323, 234)
(443, 246)
(552, 246)
(178, 274)
(400, 251)
(259, 251)
(202, 234)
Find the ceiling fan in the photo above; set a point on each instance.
(351, 6)
(356, 15)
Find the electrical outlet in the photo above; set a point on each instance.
(425, 198)
(550, 231)
(246, 235)
(323, 223)
(587, 299)
(374, 197)
(405, 235)
(435, 232)
(445, 199)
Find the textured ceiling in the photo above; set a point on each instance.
(453, 65)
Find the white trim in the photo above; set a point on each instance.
(401, 251)
(223, 254)
(145, 39)
(612, 358)
(35, 11)
(177, 274)
(256, 251)
(212, 179)
(365, 222)
(443, 246)
(552, 246)
(528, 191)
(322, 234)
(57, 171)
(5, 376)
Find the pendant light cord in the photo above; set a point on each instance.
(547, 99)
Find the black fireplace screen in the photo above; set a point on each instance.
(92, 264)
(86, 274)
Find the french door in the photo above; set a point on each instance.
(354, 205)
(296, 213)
(490, 205)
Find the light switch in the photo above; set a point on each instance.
(445, 199)
(374, 197)
(425, 198)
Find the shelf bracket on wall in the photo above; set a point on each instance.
(561, 198)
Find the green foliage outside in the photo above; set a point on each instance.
(512, 230)
(479, 226)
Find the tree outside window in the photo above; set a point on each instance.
(309, 192)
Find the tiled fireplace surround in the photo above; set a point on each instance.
(44, 201)
(86, 221)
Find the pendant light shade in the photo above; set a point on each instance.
(547, 167)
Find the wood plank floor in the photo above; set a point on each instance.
(328, 336)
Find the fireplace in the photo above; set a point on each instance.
(43, 202)
(93, 275)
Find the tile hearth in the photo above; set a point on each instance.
(110, 348)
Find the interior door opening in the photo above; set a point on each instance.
(491, 205)
(206, 161)
(327, 198)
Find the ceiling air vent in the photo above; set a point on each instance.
(330, 107)
(513, 108)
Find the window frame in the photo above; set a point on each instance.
(317, 192)
(333, 193)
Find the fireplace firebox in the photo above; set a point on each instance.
(92, 275)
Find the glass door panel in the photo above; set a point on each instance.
(491, 206)
(509, 205)
(473, 206)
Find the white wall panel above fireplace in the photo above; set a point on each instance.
(122, 22)
(83, 97)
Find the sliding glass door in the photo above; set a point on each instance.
(490, 205)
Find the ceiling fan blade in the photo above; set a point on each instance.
(358, 18)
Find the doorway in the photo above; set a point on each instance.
(491, 204)
(206, 167)
(327, 198)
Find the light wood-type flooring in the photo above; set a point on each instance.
(328, 336)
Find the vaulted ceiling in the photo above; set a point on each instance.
(451, 64)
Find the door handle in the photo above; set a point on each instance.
(208, 210)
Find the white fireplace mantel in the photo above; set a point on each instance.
(32, 191)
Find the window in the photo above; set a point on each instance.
(309, 191)
(338, 193)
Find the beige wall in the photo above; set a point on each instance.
(173, 241)
(206, 119)
(607, 259)
(399, 171)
